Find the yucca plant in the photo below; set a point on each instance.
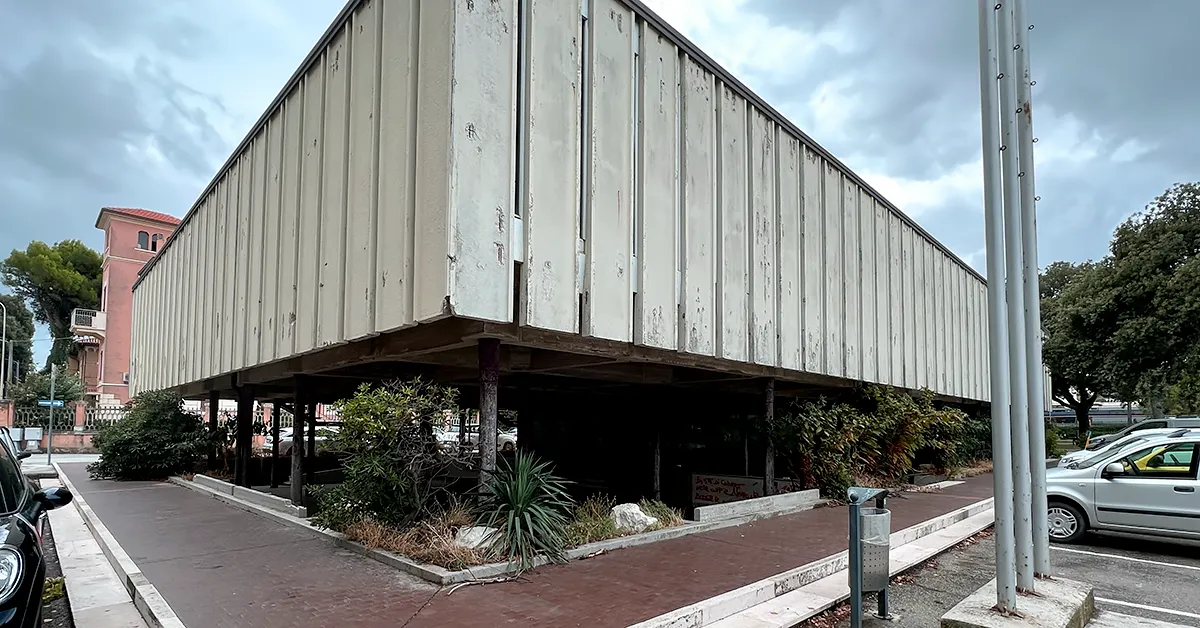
(530, 507)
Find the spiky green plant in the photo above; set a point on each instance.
(530, 507)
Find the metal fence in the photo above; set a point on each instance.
(96, 418)
(64, 418)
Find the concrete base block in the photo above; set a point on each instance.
(1058, 603)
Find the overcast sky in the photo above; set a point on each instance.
(138, 102)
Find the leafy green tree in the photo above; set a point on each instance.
(20, 335)
(37, 386)
(1079, 321)
(55, 280)
(1156, 298)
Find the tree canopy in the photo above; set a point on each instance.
(37, 386)
(20, 334)
(54, 280)
(1129, 324)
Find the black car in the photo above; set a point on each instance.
(22, 563)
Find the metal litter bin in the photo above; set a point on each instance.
(870, 544)
(875, 526)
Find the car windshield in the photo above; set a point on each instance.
(12, 484)
(1096, 458)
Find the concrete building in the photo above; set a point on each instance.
(132, 237)
(566, 202)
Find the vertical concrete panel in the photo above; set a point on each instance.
(851, 279)
(956, 334)
(362, 191)
(308, 257)
(331, 274)
(608, 280)
(291, 188)
(973, 389)
(939, 288)
(212, 280)
(896, 298)
(835, 290)
(790, 155)
(243, 251)
(431, 268)
(932, 258)
(272, 221)
(964, 355)
(733, 239)
(920, 352)
(229, 282)
(657, 317)
(884, 307)
(699, 301)
(192, 266)
(258, 252)
(398, 67)
(909, 291)
(868, 288)
(483, 178)
(170, 275)
(196, 292)
(813, 245)
(552, 169)
(764, 267)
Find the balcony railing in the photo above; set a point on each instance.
(88, 322)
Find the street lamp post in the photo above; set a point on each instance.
(3, 345)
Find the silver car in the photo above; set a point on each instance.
(1148, 488)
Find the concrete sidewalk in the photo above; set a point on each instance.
(218, 565)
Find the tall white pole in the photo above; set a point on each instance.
(1014, 291)
(1002, 479)
(3, 345)
(1033, 309)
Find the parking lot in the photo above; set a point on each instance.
(1135, 576)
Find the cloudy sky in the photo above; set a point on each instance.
(137, 102)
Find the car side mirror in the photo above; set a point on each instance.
(53, 497)
(24, 454)
(1114, 469)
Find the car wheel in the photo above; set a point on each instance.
(1067, 523)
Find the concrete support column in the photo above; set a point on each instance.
(274, 445)
(244, 435)
(658, 461)
(310, 470)
(489, 406)
(768, 419)
(214, 405)
(299, 403)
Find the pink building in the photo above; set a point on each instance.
(131, 238)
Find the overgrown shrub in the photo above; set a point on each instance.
(591, 521)
(155, 439)
(394, 469)
(827, 444)
(530, 507)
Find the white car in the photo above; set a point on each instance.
(285, 439)
(1147, 488)
(506, 440)
(1125, 441)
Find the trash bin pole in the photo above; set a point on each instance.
(882, 596)
(855, 567)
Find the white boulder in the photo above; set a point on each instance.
(476, 537)
(630, 518)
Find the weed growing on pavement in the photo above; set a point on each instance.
(592, 519)
(55, 589)
(667, 517)
(430, 541)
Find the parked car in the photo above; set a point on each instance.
(285, 439)
(22, 561)
(506, 439)
(1150, 424)
(1124, 442)
(1149, 488)
(11, 445)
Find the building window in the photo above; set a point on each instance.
(158, 237)
(143, 240)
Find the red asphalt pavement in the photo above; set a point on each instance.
(219, 566)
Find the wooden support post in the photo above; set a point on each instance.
(245, 435)
(310, 470)
(214, 405)
(768, 419)
(297, 480)
(274, 445)
(489, 408)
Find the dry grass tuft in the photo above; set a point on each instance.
(430, 541)
(972, 470)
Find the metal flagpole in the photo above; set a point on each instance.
(1033, 310)
(1002, 479)
(1014, 291)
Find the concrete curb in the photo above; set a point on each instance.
(248, 494)
(152, 606)
(726, 604)
(438, 575)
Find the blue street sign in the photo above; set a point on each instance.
(46, 403)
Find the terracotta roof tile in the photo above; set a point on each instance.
(144, 214)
